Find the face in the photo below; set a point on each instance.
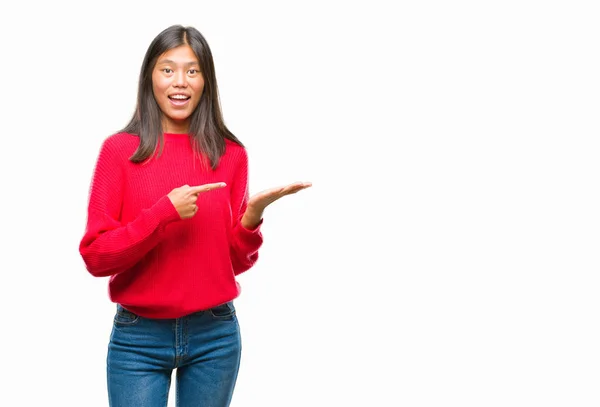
(177, 84)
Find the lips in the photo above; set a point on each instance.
(179, 99)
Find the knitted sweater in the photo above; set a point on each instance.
(160, 265)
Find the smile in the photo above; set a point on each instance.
(179, 100)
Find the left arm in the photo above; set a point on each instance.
(246, 237)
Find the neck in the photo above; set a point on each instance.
(175, 127)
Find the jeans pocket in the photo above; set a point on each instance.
(223, 311)
(125, 317)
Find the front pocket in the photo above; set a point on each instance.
(223, 311)
(124, 317)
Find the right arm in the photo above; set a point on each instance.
(108, 247)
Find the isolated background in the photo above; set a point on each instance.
(447, 254)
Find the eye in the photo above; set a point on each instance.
(167, 70)
(193, 71)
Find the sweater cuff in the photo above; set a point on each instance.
(256, 229)
(250, 239)
(165, 211)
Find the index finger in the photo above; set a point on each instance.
(207, 187)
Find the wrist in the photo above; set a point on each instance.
(251, 218)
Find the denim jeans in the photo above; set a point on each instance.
(204, 348)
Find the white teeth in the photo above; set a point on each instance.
(180, 97)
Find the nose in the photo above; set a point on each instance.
(180, 79)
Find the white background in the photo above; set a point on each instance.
(447, 254)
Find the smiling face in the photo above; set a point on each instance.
(177, 85)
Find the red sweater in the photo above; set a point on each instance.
(160, 265)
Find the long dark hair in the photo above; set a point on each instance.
(207, 128)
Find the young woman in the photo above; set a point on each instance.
(170, 221)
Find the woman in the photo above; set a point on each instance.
(170, 221)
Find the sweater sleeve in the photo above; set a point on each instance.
(244, 242)
(108, 247)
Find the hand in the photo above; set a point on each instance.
(184, 198)
(259, 201)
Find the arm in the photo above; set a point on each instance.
(246, 237)
(108, 247)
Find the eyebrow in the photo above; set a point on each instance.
(168, 61)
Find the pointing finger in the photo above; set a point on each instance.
(207, 187)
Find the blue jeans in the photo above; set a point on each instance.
(203, 347)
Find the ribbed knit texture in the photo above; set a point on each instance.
(162, 266)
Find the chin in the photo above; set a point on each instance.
(179, 117)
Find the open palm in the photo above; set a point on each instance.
(259, 201)
(262, 199)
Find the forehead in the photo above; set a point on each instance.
(179, 55)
